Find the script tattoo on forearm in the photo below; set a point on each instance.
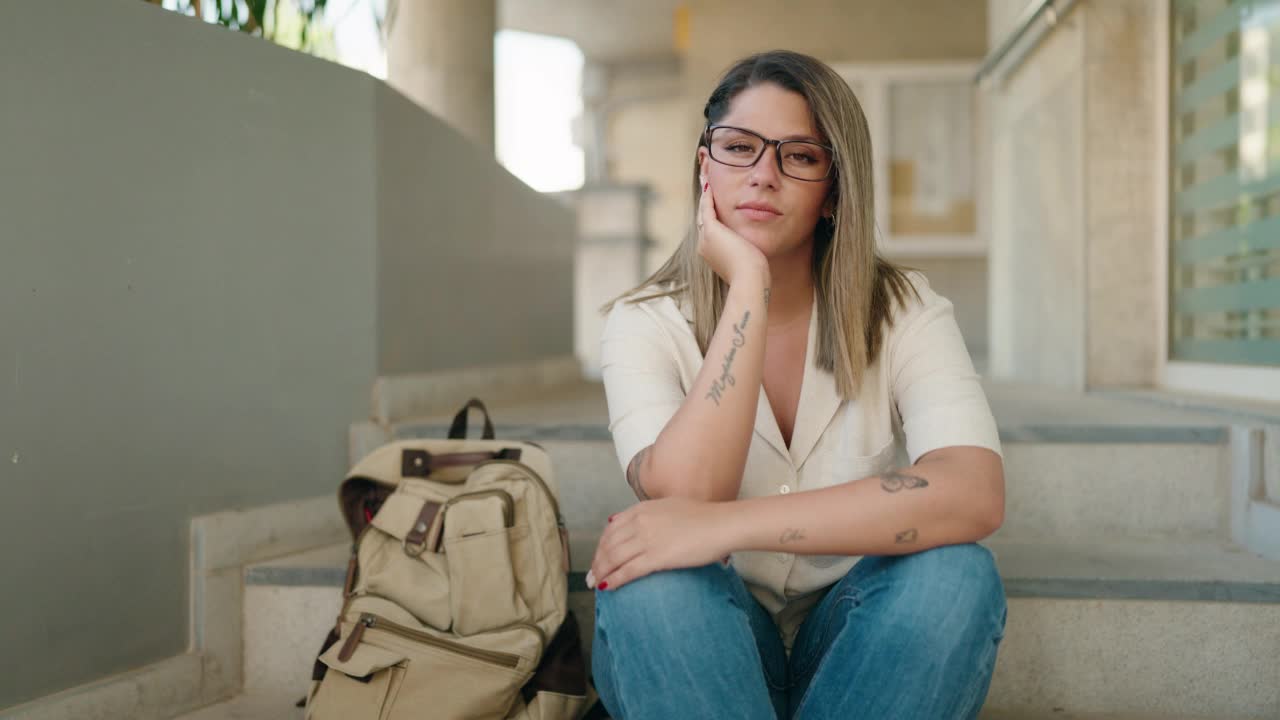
(893, 481)
(906, 536)
(726, 378)
(791, 535)
(633, 473)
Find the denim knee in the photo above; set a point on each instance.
(953, 583)
(670, 600)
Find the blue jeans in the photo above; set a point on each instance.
(910, 636)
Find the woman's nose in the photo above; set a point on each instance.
(765, 171)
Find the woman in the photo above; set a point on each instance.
(854, 589)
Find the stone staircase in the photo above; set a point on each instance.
(1126, 597)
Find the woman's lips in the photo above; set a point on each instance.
(756, 214)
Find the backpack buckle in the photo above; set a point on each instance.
(425, 532)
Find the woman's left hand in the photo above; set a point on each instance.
(662, 534)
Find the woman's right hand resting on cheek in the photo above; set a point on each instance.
(728, 253)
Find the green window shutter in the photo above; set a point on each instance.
(1224, 255)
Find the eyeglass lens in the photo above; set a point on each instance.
(801, 160)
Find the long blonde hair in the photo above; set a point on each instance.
(854, 285)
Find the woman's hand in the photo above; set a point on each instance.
(663, 534)
(727, 252)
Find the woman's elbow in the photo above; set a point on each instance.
(665, 481)
(991, 517)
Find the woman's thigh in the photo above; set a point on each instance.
(695, 637)
(897, 624)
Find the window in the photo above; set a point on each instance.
(1224, 182)
(923, 142)
(538, 97)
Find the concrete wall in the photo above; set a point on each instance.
(1036, 240)
(646, 110)
(834, 31)
(192, 224)
(1072, 185)
(474, 267)
(963, 281)
(653, 142)
(1120, 186)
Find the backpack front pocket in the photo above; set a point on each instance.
(361, 686)
(435, 677)
(477, 544)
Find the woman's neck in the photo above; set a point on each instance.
(791, 293)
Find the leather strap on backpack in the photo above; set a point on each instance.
(458, 430)
(424, 531)
(420, 463)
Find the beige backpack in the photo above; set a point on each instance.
(456, 590)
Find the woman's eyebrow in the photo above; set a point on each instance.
(796, 136)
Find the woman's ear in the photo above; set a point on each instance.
(703, 161)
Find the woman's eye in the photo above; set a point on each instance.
(801, 158)
(741, 147)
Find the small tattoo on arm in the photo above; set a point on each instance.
(767, 293)
(726, 378)
(791, 535)
(633, 473)
(893, 481)
(906, 536)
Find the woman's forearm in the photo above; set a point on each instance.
(954, 495)
(702, 451)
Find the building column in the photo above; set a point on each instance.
(440, 55)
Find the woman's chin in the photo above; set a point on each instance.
(765, 242)
(768, 243)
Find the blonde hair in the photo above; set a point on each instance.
(855, 286)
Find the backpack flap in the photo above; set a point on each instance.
(399, 556)
(413, 516)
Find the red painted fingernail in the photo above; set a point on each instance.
(705, 185)
(610, 518)
(603, 586)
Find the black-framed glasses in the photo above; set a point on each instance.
(799, 159)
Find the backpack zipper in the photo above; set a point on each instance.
(374, 622)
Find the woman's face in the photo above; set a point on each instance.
(778, 114)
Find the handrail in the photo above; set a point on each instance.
(1051, 10)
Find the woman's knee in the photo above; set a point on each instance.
(953, 583)
(670, 599)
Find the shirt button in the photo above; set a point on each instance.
(784, 489)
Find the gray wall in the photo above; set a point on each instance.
(498, 280)
(192, 226)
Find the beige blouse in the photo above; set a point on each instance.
(921, 394)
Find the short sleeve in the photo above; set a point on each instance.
(641, 373)
(937, 391)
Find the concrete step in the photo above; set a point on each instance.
(264, 706)
(251, 706)
(1168, 629)
(1077, 467)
